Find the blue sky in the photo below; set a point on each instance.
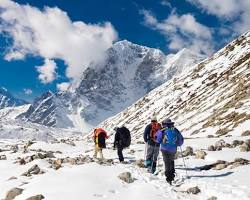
(43, 46)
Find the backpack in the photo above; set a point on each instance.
(101, 140)
(170, 136)
(155, 126)
(125, 136)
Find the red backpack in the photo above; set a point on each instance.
(155, 126)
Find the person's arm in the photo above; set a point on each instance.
(116, 139)
(180, 139)
(146, 133)
(159, 136)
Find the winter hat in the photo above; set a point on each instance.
(154, 118)
(167, 122)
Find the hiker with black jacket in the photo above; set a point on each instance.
(122, 140)
(152, 147)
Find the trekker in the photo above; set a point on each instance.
(152, 147)
(100, 135)
(122, 140)
(169, 138)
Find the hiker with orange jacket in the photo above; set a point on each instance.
(100, 136)
(152, 147)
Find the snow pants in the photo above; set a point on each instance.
(151, 157)
(168, 159)
(98, 150)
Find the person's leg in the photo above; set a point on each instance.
(101, 154)
(155, 157)
(149, 156)
(119, 152)
(95, 151)
(168, 162)
(172, 167)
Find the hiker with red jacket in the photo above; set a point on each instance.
(152, 147)
(169, 138)
(99, 137)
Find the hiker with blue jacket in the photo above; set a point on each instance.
(169, 138)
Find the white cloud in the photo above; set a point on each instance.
(27, 91)
(166, 3)
(237, 12)
(182, 31)
(47, 72)
(50, 33)
(63, 86)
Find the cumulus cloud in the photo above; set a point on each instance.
(182, 31)
(235, 11)
(47, 72)
(27, 91)
(63, 86)
(50, 34)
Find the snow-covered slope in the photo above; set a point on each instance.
(211, 98)
(13, 112)
(128, 73)
(7, 100)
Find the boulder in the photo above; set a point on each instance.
(212, 198)
(247, 142)
(200, 154)
(34, 170)
(220, 166)
(237, 143)
(126, 177)
(3, 157)
(140, 163)
(246, 133)
(37, 197)
(244, 148)
(211, 148)
(221, 143)
(193, 190)
(11, 194)
(188, 152)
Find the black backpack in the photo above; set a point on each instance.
(101, 140)
(125, 136)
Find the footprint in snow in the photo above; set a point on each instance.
(100, 195)
(113, 191)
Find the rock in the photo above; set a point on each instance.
(140, 142)
(34, 170)
(246, 133)
(132, 151)
(57, 164)
(244, 148)
(188, 152)
(126, 177)
(11, 194)
(3, 157)
(12, 178)
(220, 166)
(210, 136)
(247, 142)
(73, 161)
(212, 198)
(221, 143)
(211, 148)
(37, 197)
(242, 161)
(237, 143)
(14, 148)
(218, 148)
(49, 154)
(200, 154)
(22, 161)
(193, 190)
(140, 163)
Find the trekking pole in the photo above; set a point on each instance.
(184, 163)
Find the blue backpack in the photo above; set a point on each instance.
(169, 137)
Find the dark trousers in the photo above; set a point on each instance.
(119, 152)
(168, 159)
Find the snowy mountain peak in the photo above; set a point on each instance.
(129, 72)
(8, 100)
